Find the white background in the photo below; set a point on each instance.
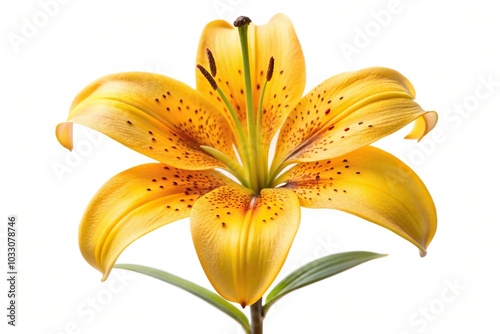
(449, 50)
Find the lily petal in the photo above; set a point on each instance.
(346, 112)
(157, 116)
(135, 202)
(276, 39)
(373, 185)
(242, 240)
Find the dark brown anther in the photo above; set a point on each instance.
(241, 21)
(211, 62)
(270, 69)
(207, 75)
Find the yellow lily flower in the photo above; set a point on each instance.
(250, 81)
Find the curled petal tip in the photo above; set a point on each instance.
(423, 125)
(105, 273)
(64, 134)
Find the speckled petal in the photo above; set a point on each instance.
(243, 240)
(346, 112)
(276, 39)
(373, 185)
(159, 117)
(135, 202)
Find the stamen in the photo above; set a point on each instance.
(241, 21)
(232, 166)
(207, 75)
(270, 69)
(211, 61)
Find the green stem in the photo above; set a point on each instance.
(257, 317)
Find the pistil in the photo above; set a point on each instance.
(257, 172)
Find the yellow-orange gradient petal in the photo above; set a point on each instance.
(242, 240)
(346, 112)
(135, 202)
(276, 39)
(373, 185)
(159, 117)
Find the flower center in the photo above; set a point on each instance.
(253, 172)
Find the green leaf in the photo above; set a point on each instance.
(316, 271)
(207, 295)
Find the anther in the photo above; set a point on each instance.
(241, 21)
(207, 75)
(270, 69)
(211, 62)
